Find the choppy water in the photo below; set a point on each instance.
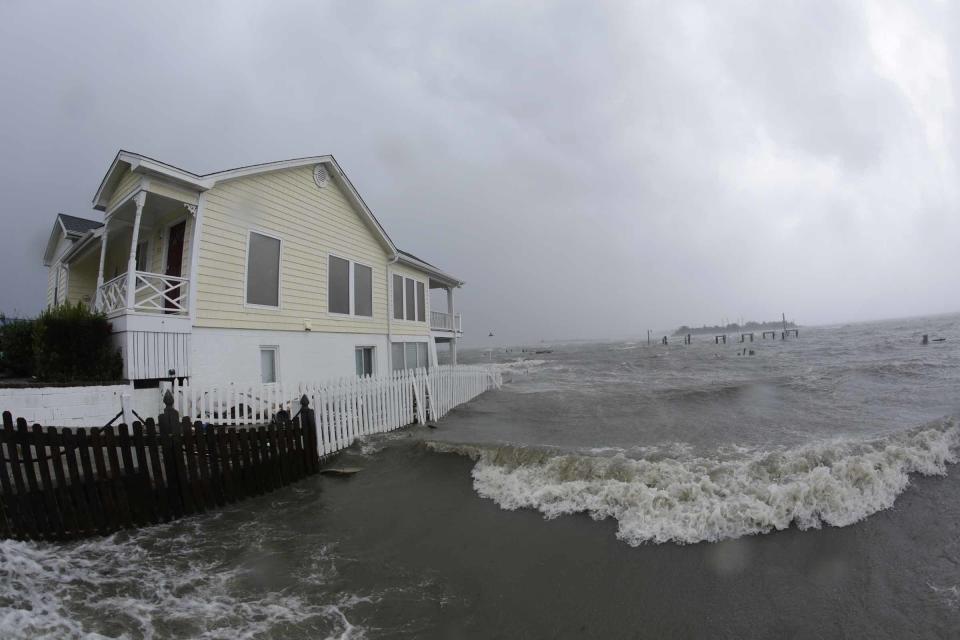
(700, 442)
(677, 444)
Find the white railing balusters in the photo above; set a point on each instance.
(152, 293)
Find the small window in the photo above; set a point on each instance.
(268, 365)
(411, 349)
(397, 356)
(411, 309)
(263, 270)
(364, 357)
(362, 290)
(338, 285)
(421, 302)
(142, 255)
(422, 357)
(398, 297)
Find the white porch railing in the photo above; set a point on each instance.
(112, 295)
(345, 409)
(152, 292)
(445, 322)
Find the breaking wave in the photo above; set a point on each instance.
(142, 585)
(674, 495)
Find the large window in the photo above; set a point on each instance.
(409, 299)
(421, 302)
(398, 297)
(338, 285)
(362, 290)
(268, 365)
(349, 288)
(410, 355)
(263, 270)
(364, 357)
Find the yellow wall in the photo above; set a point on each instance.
(312, 223)
(83, 278)
(54, 270)
(126, 184)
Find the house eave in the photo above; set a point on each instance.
(433, 272)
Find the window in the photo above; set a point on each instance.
(362, 290)
(364, 356)
(142, 255)
(263, 270)
(411, 309)
(422, 360)
(398, 297)
(421, 303)
(268, 365)
(349, 288)
(338, 285)
(397, 356)
(409, 299)
(410, 355)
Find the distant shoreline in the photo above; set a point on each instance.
(733, 327)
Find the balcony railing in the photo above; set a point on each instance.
(152, 293)
(445, 322)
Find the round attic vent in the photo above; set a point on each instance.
(320, 175)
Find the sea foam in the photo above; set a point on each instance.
(686, 498)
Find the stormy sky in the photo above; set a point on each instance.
(591, 170)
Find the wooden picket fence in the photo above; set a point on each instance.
(347, 408)
(58, 484)
(231, 442)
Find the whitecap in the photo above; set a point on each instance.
(686, 498)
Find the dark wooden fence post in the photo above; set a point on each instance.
(308, 418)
(169, 425)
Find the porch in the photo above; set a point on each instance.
(136, 270)
(145, 245)
(440, 321)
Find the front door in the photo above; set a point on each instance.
(174, 262)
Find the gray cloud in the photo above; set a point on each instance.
(591, 169)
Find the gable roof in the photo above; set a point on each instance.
(147, 166)
(67, 226)
(73, 224)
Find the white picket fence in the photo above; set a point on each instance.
(345, 409)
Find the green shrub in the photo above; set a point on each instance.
(72, 344)
(16, 347)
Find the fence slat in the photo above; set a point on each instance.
(190, 469)
(54, 517)
(97, 516)
(124, 518)
(84, 523)
(160, 484)
(129, 476)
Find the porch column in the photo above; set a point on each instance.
(103, 253)
(138, 199)
(453, 325)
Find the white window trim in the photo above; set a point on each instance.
(405, 340)
(373, 356)
(350, 285)
(246, 267)
(426, 301)
(276, 362)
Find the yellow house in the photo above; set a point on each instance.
(267, 273)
